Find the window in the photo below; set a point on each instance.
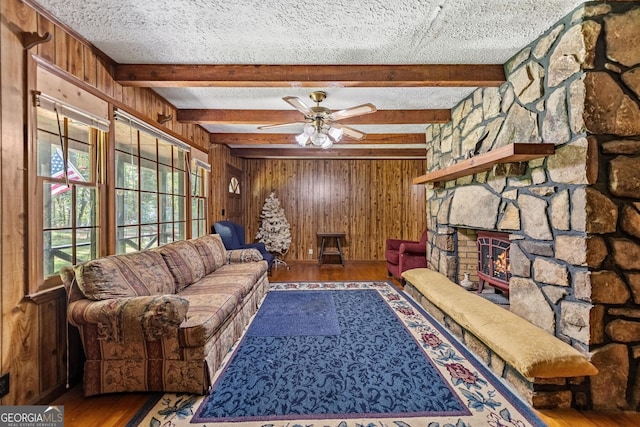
(234, 185)
(68, 163)
(199, 179)
(90, 198)
(151, 188)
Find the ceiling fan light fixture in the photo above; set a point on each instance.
(318, 128)
(335, 133)
(302, 139)
(309, 130)
(319, 139)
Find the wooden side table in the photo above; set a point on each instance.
(336, 250)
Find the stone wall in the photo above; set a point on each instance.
(573, 217)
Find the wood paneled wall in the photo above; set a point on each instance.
(369, 200)
(219, 157)
(33, 330)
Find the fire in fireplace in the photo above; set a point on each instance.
(493, 260)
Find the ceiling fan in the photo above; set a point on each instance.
(319, 122)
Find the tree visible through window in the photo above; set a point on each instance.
(67, 164)
(151, 194)
(68, 173)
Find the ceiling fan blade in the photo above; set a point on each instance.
(299, 105)
(279, 125)
(354, 111)
(350, 132)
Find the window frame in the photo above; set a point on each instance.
(42, 77)
(199, 175)
(139, 131)
(97, 136)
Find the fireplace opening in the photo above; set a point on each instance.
(493, 261)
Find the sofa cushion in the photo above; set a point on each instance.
(211, 250)
(213, 284)
(244, 255)
(206, 314)
(530, 350)
(246, 274)
(130, 275)
(238, 284)
(184, 262)
(70, 283)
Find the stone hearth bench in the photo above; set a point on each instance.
(544, 370)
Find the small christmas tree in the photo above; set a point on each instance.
(274, 231)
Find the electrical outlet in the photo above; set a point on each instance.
(310, 251)
(4, 385)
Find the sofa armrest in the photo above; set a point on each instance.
(239, 256)
(412, 255)
(412, 249)
(393, 244)
(132, 319)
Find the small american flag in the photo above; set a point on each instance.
(57, 171)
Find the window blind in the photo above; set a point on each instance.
(203, 165)
(52, 104)
(149, 129)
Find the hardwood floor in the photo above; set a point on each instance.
(116, 409)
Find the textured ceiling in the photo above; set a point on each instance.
(332, 32)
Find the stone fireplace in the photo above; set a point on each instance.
(573, 218)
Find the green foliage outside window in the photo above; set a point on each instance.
(150, 190)
(69, 201)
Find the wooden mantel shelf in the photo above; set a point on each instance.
(512, 153)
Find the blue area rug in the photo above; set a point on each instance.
(297, 313)
(372, 367)
(388, 364)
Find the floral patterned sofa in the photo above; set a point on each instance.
(162, 319)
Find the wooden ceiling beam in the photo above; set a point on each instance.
(288, 138)
(261, 117)
(336, 153)
(408, 75)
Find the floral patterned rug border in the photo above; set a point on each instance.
(490, 402)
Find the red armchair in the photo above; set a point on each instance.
(402, 255)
